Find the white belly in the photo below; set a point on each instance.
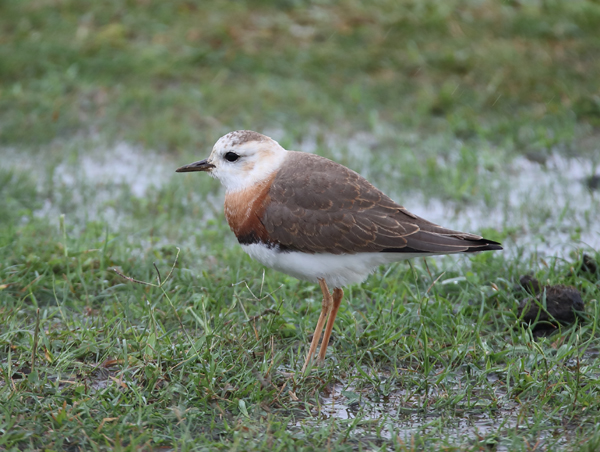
(338, 270)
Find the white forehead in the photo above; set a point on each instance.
(239, 138)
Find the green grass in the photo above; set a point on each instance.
(433, 101)
(167, 74)
(125, 365)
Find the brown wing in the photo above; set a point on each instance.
(328, 208)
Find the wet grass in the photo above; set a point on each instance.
(445, 96)
(424, 355)
(211, 358)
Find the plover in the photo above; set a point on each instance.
(317, 220)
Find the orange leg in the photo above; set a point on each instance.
(325, 310)
(337, 301)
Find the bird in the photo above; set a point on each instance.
(317, 220)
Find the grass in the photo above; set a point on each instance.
(207, 359)
(165, 75)
(102, 102)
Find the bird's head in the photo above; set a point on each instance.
(240, 159)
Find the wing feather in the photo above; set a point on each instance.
(328, 208)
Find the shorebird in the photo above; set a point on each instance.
(317, 220)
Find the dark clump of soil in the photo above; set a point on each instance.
(550, 305)
(537, 157)
(530, 284)
(593, 182)
(588, 264)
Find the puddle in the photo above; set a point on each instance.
(394, 412)
(548, 207)
(122, 164)
(404, 416)
(401, 415)
(96, 178)
(94, 182)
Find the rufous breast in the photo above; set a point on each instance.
(244, 209)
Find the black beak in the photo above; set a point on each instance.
(202, 165)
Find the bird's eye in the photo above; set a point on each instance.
(231, 156)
